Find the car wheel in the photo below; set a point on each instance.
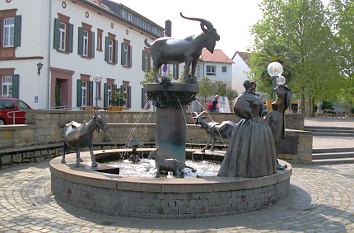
(2, 122)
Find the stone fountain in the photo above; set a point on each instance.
(97, 189)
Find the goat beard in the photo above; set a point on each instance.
(211, 46)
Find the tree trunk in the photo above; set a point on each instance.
(302, 107)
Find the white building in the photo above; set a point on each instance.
(56, 53)
(240, 71)
(217, 66)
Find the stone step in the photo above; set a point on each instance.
(332, 155)
(331, 131)
(330, 150)
(333, 161)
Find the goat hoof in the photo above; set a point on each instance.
(94, 164)
(80, 160)
(63, 161)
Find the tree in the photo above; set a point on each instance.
(205, 89)
(342, 18)
(297, 34)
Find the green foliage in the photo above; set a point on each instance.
(119, 97)
(206, 87)
(342, 19)
(297, 34)
(149, 77)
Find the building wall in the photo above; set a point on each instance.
(37, 41)
(240, 72)
(226, 77)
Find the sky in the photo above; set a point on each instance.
(231, 18)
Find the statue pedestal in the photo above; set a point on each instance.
(171, 100)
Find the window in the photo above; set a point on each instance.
(9, 32)
(126, 54)
(146, 64)
(109, 93)
(211, 70)
(224, 69)
(99, 39)
(62, 36)
(126, 88)
(6, 87)
(84, 93)
(85, 43)
(110, 51)
(9, 85)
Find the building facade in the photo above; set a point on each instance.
(69, 54)
(240, 71)
(217, 66)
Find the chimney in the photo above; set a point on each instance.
(168, 28)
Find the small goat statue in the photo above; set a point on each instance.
(214, 129)
(168, 50)
(166, 165)
(78, 135)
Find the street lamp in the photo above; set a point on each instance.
(275, 69)
(97, 79)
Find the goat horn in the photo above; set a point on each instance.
(203, 22)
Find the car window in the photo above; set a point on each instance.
(1, 104)
(8, 104)
(22, 105)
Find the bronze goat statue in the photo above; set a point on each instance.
(214, 129)
(167, 50)
(79, 135)
(165, 165)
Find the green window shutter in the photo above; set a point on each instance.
(79, 39)
(18, 27)
(90, 93)
(92, 45)
(105, 95)
(56, 34)
(106, 49)
(130, 56)
(122, 62)
(115, 52)
(70, 38)
(142, 97)
(143, 60)
(15, 86)
(78, 93)
(129, 97)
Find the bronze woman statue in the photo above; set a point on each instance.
(251, 151)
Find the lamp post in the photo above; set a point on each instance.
(275, 69)
(97, 79)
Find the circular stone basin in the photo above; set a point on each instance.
(143, 197)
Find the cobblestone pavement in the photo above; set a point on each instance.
(320, 200)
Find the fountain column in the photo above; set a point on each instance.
(170, 101)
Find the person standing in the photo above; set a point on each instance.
(214, 107)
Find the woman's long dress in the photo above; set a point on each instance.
(251, 151)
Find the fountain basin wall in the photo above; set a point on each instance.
(163, 198)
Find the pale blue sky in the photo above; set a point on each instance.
(231, 18)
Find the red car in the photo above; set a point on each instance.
(12, 111)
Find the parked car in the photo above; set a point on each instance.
(12, 111)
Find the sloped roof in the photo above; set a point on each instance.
(116, 9)
(218, 56)
(244, 55)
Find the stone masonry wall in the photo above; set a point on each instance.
(172, 205)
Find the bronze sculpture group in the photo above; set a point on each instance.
(252, 141)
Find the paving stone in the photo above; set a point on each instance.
(321, 200)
